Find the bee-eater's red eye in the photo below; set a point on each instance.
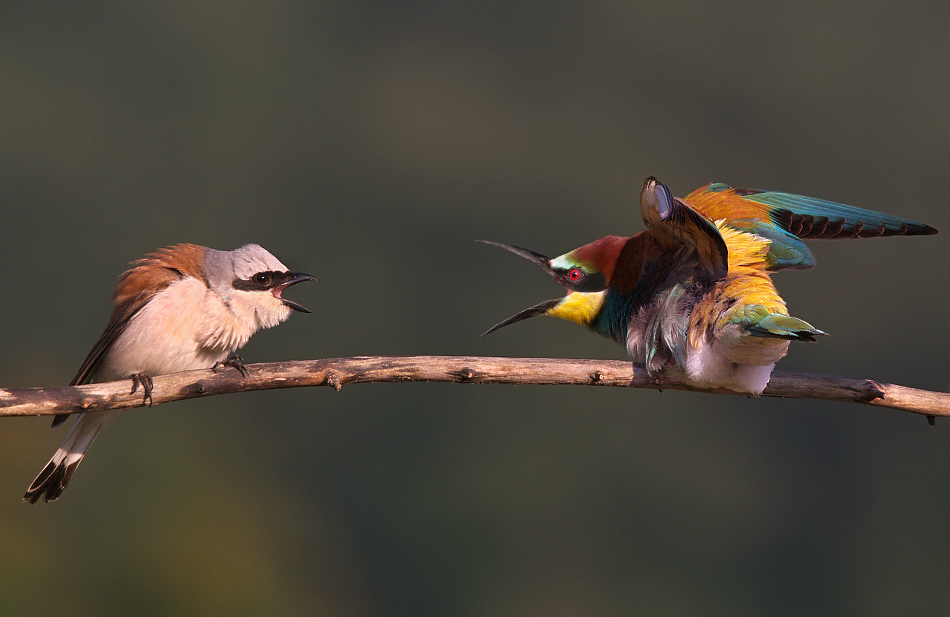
(575, 274)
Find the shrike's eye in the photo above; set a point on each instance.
(262, 279)
(576, 275)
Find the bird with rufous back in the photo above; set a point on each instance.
(180, 308)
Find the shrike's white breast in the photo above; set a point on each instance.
(184, 327)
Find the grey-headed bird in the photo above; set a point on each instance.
(180, 308)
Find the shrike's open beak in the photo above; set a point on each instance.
(292, 279)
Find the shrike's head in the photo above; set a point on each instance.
(250, 281)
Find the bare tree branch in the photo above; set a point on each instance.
(337, 372)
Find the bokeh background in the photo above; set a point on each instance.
(370, 143)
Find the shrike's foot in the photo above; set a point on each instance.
(233, 361)
(146, 382)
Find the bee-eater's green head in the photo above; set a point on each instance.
(585, 283)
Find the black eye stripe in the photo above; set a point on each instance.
(586, 281)
(262, 281)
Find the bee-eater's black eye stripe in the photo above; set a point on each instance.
(591, 282)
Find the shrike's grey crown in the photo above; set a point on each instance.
(223, 267)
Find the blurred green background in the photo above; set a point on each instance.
(369, 143)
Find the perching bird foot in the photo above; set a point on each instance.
(233, 361)
(655, 376)
(146, 383)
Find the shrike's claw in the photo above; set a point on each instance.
(234, 361)
(146, 383)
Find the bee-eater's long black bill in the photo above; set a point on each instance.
(537, 258)
(534, 311)
(292, 279)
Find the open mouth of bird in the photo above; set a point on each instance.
(293, 279)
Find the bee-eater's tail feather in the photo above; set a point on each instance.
(776, 325)
(52, 481)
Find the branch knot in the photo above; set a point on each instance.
(465, 374)
(872, 390)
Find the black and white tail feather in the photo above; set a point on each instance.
(54, 478)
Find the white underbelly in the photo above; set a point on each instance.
(169, 335)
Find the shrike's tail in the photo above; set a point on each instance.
(55, 476)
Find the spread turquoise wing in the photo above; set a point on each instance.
(787, 219)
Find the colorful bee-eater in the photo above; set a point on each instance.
(694, 289)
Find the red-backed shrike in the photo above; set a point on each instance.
(180, 308)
